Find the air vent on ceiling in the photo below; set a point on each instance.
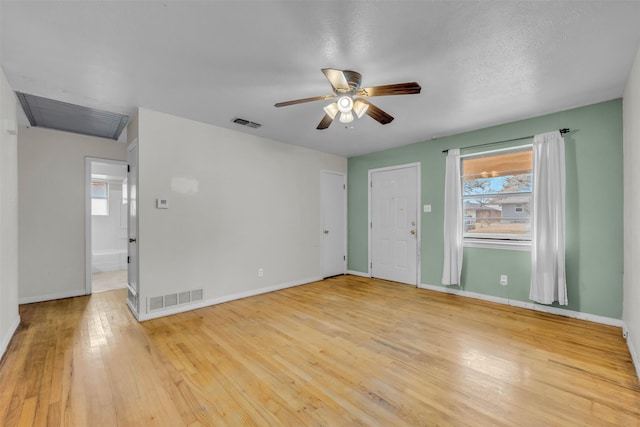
(244, 122)
(52, 114)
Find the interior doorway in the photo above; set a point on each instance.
(106, 224)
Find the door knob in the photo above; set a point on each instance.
(413, 231)
(326, 231)
(131, 240)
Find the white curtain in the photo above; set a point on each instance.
(548, 279)
(452, 267)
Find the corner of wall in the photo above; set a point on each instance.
(9, 316)
(632, 349)
(631, 150)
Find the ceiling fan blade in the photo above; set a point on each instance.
(395, 89)
(303, 100)
(338, 80)
(325, 122)
(377, 114)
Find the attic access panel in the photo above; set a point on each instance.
(52, 114)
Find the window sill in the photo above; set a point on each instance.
(497, 244)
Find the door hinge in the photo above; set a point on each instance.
(371, 225)
(128, 260)
(344, 186)
(344, 258)
(128, 168)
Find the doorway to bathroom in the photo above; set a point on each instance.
(106, 224)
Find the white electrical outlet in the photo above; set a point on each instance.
(504, 280)
(260, 272)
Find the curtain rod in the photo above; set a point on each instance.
(562, 131)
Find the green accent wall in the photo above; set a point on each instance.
(594, 234)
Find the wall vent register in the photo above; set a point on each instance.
(170, 300)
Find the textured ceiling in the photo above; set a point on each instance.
(479, 63)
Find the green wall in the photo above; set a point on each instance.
(594, 209)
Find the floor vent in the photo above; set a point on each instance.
(170, 300)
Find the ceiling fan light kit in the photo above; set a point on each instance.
(360, 107)
(346, 117)
(345, 104)
(346, 87)
(331, 110)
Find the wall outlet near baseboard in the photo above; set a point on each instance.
(261, 272)
(504, 280)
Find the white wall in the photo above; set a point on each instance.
(631, 120)
(51, 170)
(9, 317)
(237, 203)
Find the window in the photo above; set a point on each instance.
(496, 195)
(99, 197)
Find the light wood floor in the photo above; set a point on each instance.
(108, 280)
(347, 351)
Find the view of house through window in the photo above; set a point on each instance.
(496, 195)
(99, 197)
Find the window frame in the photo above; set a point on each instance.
(106, 182)
(494, 243)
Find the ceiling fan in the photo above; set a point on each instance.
(346, 87)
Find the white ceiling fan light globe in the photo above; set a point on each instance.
(346, 117)
(331, 110)
(345, 104)
(360, 107)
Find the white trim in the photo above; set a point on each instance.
(88, 161)
(7, 338)
(346, 218)
(418, 166)
(497, 244)
(357, 273)
(632, 349)
(529, 305)
(49, 297)
(133, 311)
(136, 259)
(226, 298)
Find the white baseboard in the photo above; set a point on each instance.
(7, 338)
(133, 310)
(219, 300)
(632, 349)
(357, 273)
(529, 305)
(49, 297)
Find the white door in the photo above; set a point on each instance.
(132, 196)
(394, 224)
(333, 223)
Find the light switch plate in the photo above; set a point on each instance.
(427, 208)
(162, 204)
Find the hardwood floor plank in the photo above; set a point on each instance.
(345, 351)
